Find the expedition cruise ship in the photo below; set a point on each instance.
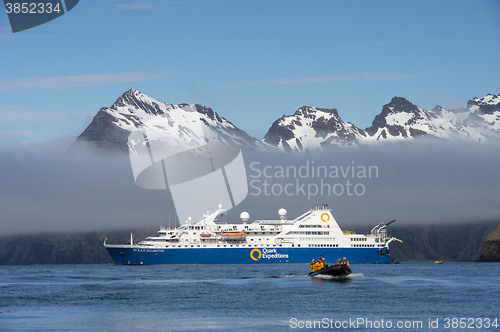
(300, 240)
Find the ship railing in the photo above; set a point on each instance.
(382, 234)
(281, 240)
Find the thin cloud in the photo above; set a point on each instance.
(60, 82)
(12, 134)
(145, 5)
(332, 79)
(137, 6)
(18, 113)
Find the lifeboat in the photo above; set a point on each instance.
(205, 235)
(234, 236)
(438, 262)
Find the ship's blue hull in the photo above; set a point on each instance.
(266, 255)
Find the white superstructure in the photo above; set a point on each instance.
(316, 228)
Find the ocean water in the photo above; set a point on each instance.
(408, 296)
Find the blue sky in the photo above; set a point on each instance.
(250, 61)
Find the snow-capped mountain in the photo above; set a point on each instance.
(314, 129)
(308, 129)
(311, 129)
(177, 124)
(400, 119)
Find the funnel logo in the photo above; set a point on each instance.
(257, 252)
(325, 217)
(27, 14)
(188, 158)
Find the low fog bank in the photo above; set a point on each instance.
(413, 182)
(44, 189)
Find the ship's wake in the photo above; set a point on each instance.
(339, 278)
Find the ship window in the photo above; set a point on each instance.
(298, 245)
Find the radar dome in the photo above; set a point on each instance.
(244, 216)
(282, 213)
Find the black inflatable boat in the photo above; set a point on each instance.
(333, 270)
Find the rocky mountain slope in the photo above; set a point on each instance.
(400, 119)
(185, 124)
(311, 128)
(491, 248)
(64, 248)
(451, 242)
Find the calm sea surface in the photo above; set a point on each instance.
(281, 297)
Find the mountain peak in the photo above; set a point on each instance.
(400, 104)
(110, 128)
(311, 129)
(393, 118)
(131, 93)
(307, 110)
(488, 104)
